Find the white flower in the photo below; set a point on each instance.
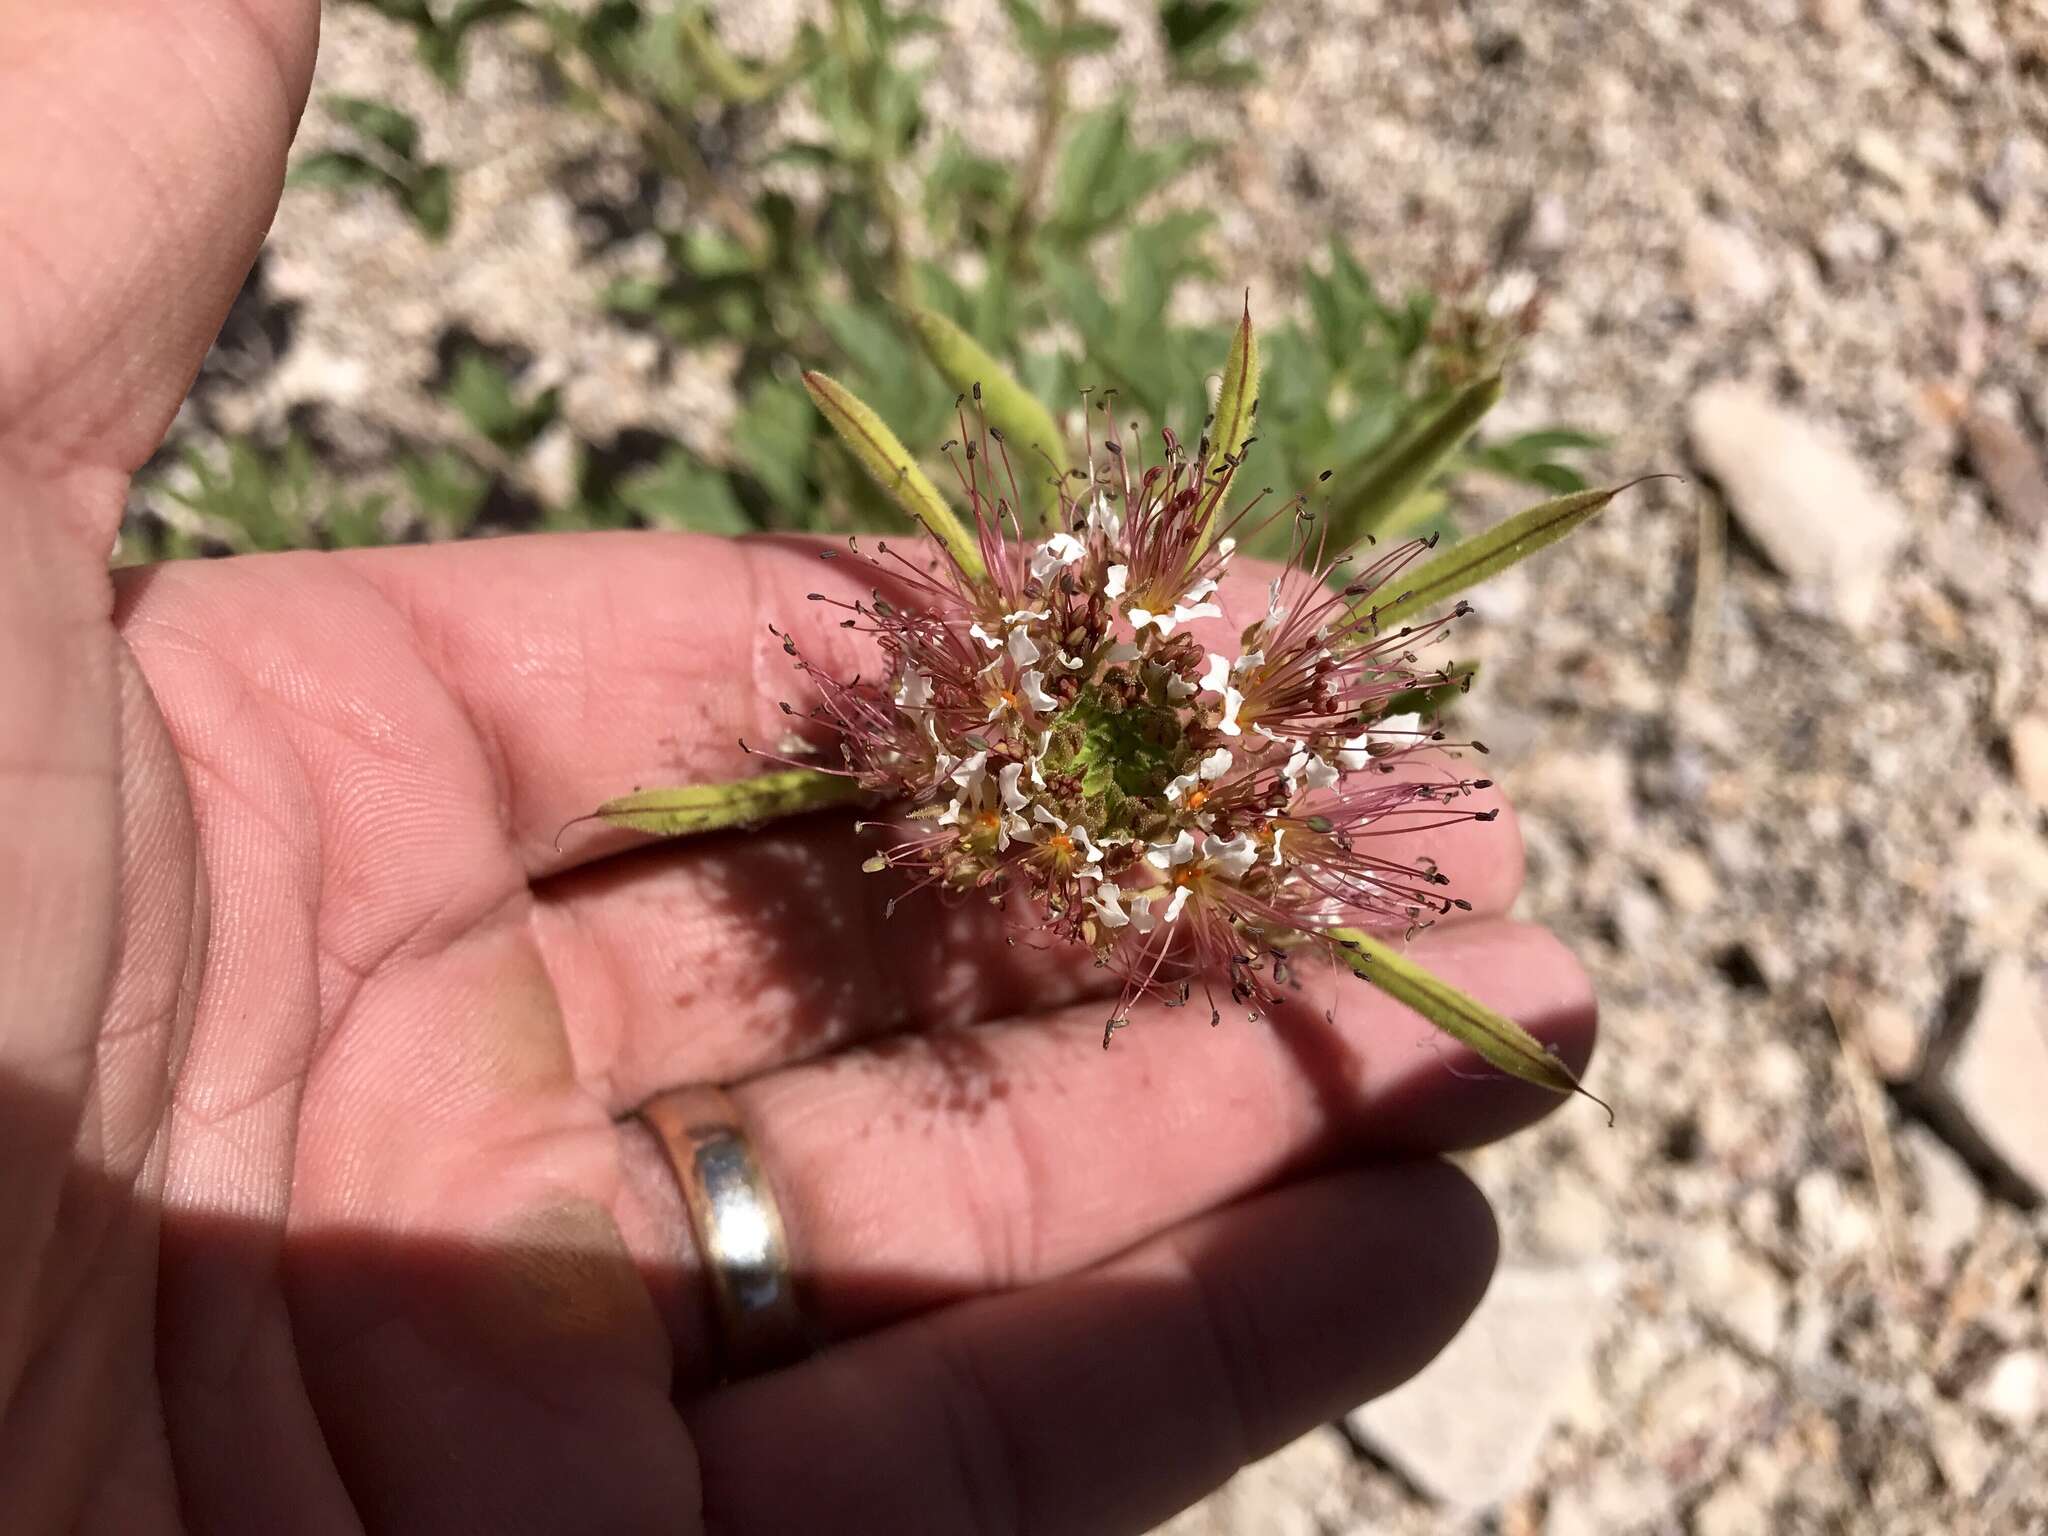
(1206, 587)
(913, 690)
(1085, 843)
(1104, 518)
(1216, 764)
(1181, 786)
(1178, 688)
(1171, 855)
(970, 772)
(1278, 833)
(1396, 729)
(1061, 550)
(1353, 756)
(1274, 611)
(1024, 615)
(1180, 899)
(1217, 678)
(1023, 650)
(985, 637)
(1142, 920)
(1140, 617)
(1032, 686)
(1233, 701)
(1108, 903)
(1305, 765)
(1114, 580)
(1232, 856)
(1014, 799)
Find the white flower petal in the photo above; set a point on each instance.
(985, 637)
(1397, 730)
(1233, 701)
(1353, 756)
(1184, 614)
(1032, 686)
(913, 690)
(1163, 622)
(971, 772)
(1232, 856)
(1023, 649)
(1123, 650)
(1109, 906)
(1180, 899)
(1181, 786)
(1170, 855)
(1216, 764)
(1061, 550)
(1114, 580)
(1218, 676)
(1104, 518)
(1014, 799)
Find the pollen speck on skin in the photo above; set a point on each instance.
(1050, 727)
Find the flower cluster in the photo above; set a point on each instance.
(1062, 722)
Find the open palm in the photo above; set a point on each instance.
(318, 1209)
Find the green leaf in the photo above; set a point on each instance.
(1473, 561)
(413, 13)
(340, 168)
(447, 487)
(1037, 452)
(481, 388)
(1084, 37)
(891, 467)
(430, 199)
(1433, 701)
(771, 436)
(1409, 465)
(1497, 1038)
(679, 492)
(1192, 25)
(1086, 166)
(713, 807)
(378, 121)
(731, 78)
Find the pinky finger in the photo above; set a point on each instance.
(1110, 1399)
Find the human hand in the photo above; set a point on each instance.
(322, 1205)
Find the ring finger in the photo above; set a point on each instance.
(926, 1168)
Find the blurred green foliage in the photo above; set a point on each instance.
(833, 249)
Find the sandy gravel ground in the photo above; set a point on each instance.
(1780, 731)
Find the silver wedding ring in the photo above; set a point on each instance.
(737, 1224)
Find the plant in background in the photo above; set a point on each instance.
(869, 245)
(249, 500)
(1047, 723)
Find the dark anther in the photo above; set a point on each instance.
(977, 391)
(1323, 476)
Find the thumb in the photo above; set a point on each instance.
(146, 143)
